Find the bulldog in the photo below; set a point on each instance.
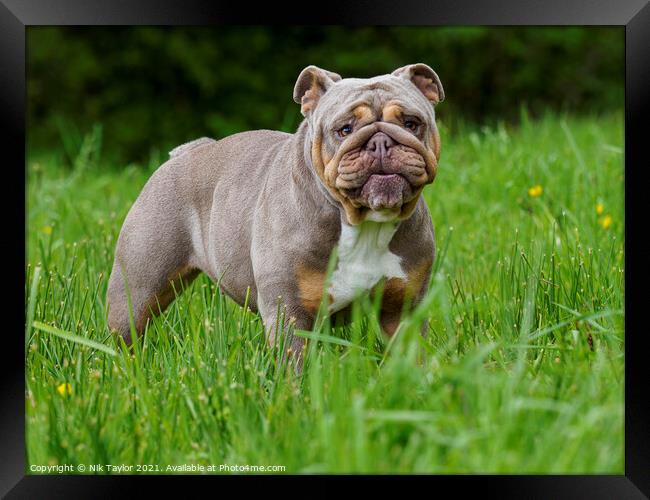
(261, 212)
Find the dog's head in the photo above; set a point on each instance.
(374, 142)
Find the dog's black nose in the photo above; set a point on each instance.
(379, 144)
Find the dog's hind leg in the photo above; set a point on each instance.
(154, 259)
(146, 299)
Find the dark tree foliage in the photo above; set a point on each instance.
(156, 87)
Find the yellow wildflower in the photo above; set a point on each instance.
(606, 221)
(64, 389)
(47, 229)
(599, 209)
(535, 191)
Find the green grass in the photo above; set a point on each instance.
(522, 370)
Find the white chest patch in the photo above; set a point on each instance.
(363, 259)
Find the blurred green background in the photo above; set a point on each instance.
(152, 88)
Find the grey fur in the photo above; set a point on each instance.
(251, 209)
(179, 150)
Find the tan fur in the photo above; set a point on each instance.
(389, 322)
(435, 139)
(417, 277)
(310, 285)
(397, 290)
(364, 114)
(312, 95)
(398, 293)
(428, 88)
(392, 113)
(317, 155)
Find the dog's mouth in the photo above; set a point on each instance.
(384, 183)
(384, 192)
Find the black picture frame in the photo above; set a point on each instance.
(16, 15)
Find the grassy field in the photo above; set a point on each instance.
(522, 370)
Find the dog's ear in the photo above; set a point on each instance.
(425, 79)
(312, 83)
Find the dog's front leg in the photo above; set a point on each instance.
(399, 297)
(281, 316)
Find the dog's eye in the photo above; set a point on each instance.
(411, 125)
(345, 130)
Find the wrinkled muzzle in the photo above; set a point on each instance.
(381, 167)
